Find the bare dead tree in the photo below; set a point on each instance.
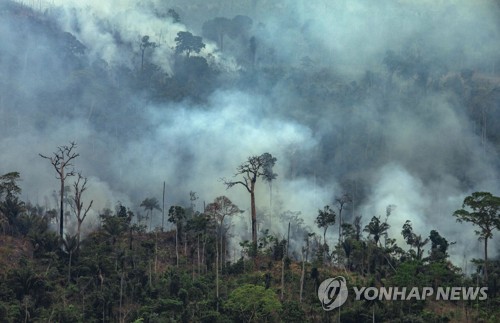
(61, 160)
(341, 203)
(80, 186)
(253, 168)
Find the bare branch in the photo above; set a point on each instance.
(87, 210)
(230, 184)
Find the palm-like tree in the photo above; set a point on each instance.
(150, 204)
(377, 229)
(71, 245)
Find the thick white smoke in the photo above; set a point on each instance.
(426, 160)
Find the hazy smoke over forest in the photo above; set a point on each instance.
(369, 98)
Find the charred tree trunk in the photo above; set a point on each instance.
(61, 205)
(486, 260)
(254, 213)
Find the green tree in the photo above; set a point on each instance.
(413, 240)
(177, 215)
(187, 42)
(377, 229)
(253, 303)
(439, 246)
(253, 168)
(325, 219)
(9, 186)
(485, 213)
(11, 208)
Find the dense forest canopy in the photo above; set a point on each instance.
(393, 104)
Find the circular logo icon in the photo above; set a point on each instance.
(333, 293)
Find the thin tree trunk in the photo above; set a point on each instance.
(288, 239)
(150, 274)
(142, 59)
(185, 244)
(254, 214)
(340, 225)
(192, 269)
(26, 315)
(121, 296)
(177, 246)
(203, 251)
(156, 252)
(486, 260)
(302, 276)
(254, 224)
(283, 275)
(163, 209)
(221, 243)
(69, 267)
(217, 274)
(198, 249)
(61, 214)
(78, 230)
(150, 219)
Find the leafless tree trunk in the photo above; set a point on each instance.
(177, 246)
(198, 250)
(283, 275)
(341, 202)
(156, 252)
(254, 212)
(486, 260)
(121, 296)
(302, 275)
(60, 161)
(217, 274)
(77, 206)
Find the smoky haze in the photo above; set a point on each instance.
(392, 102)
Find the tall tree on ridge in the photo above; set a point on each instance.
(485, 213)
(61, 160)
(150, 204)
(253, 168)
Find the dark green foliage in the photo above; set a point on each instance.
(252, 303)
(377, 229)
(439, 246)
(485, 213)
(325, 219)
(188, 43)
(292, 312)
(8, 185)
(413, 240)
